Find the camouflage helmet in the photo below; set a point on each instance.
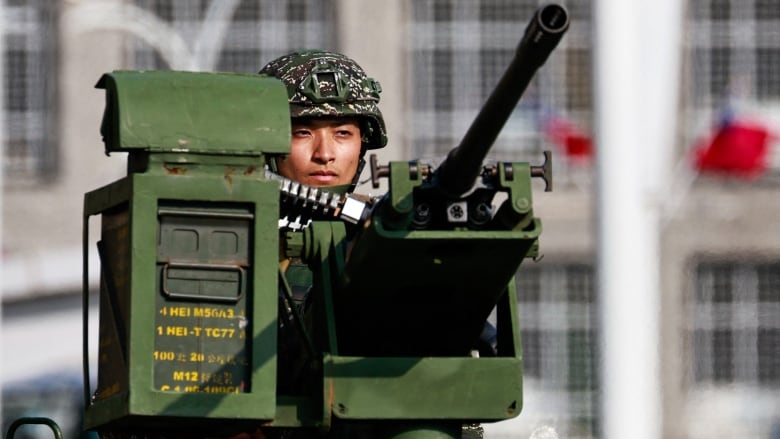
(322, 84)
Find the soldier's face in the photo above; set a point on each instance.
(323, 152)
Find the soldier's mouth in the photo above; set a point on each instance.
(323, 176)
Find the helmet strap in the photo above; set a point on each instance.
(356, 178)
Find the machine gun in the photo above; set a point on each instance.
(193, 341)
(439, 234)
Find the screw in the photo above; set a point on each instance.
(480, 214)
(456, 212)
(422, 212)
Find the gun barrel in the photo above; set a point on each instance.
(463, 164)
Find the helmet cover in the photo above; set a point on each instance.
(328, 84)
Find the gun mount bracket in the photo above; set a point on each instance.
(377, 171)
(544, 171)
(509, 171)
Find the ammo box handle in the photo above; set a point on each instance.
(205, 268)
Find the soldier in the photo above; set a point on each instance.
(335, 118)
(334, 121)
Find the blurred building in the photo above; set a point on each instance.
(437, 61)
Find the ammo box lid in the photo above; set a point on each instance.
(173, 111)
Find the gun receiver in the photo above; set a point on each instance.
(463, 164)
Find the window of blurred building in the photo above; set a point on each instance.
(557, 312)
(31, 151)
(733, 73)
(259, 31)
(734, 337)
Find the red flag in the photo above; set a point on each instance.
(575, 142)
(739, 148)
